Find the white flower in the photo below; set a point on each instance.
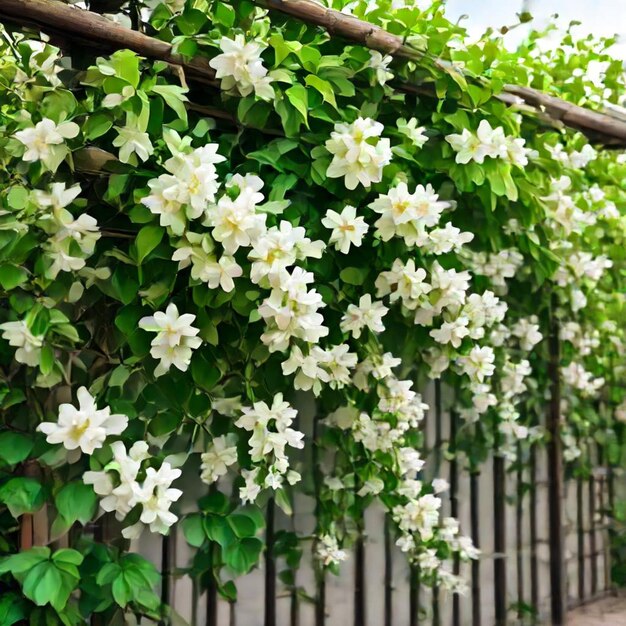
(241, 68)
(291, 311)
(479, 363)
(440, 485)
(175, 340)
(19, 335)
(415, 133)
(367, 314)
(487, 142)
(132, 141)
(85, 427)
(348, 229)
(310, 373)
(328, 552)
(156, 496)
(446, 239)
(46, 141)
(222, 272)
(451, 332)
(58, 197)
(527, 330)
(404, 282)
(222, 453)
(407, 214)
(359, 154)
(251, 489)
(235, 222)
(380, 65)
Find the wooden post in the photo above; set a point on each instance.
(454, 512)
(359, 580)
(580, 538)
(388, 574)
(519, 521)
(555, 477)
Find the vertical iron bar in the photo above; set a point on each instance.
(555, 477)
(414, 595)
(454, 512)
(499, 523)
(532, 512)
(166, 565)
(359, 580)
(580, 533)
(592, 534)
(519, 539)
(270, 566)
(388, 575)
(475, 530)
(438, 442)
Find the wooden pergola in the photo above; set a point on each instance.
(70, 25)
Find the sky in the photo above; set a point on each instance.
(602, 17)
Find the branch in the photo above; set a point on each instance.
(606, 128)
(77, 25)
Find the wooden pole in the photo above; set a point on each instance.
(92, 29)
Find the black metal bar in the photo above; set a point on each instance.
(532, 514)
(454, 512)
(166, 565)
(475, 530)
(592, 533)
(388, 575)
(211, 592)
(270, 566)
(436, 620)
(580, 536)
(414, 595)
(519, 539)
(555, 476)
(359, 582)
(499, 528)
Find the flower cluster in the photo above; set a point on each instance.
(241, 68)
(488, 142)
(175, 339)
(271, 434)
(121, 489)
(359, 152)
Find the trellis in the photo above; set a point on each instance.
(70, 26)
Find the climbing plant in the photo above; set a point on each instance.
(180, 254)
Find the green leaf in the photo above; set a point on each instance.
(76, 502)
(22, 495)
(242, 525)
(242, 556)
(353, 275)
(12, 609)
(299, 98)
(52, 581)
(12, 276)
(323, 86)
(191, 21)
(204, 374)
(148, 238)
(15, 447)
(194, 530)
(18, 564)
(97, 125)
(174, 97)
(46, 360)
(17, 198)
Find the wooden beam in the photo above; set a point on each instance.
(94, 30)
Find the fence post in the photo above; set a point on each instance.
(499, 518)
(555, 476)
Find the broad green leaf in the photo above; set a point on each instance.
(76, 502)
(22, 495)
(148, 238)
(15, 447)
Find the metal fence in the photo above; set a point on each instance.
(506, 510)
